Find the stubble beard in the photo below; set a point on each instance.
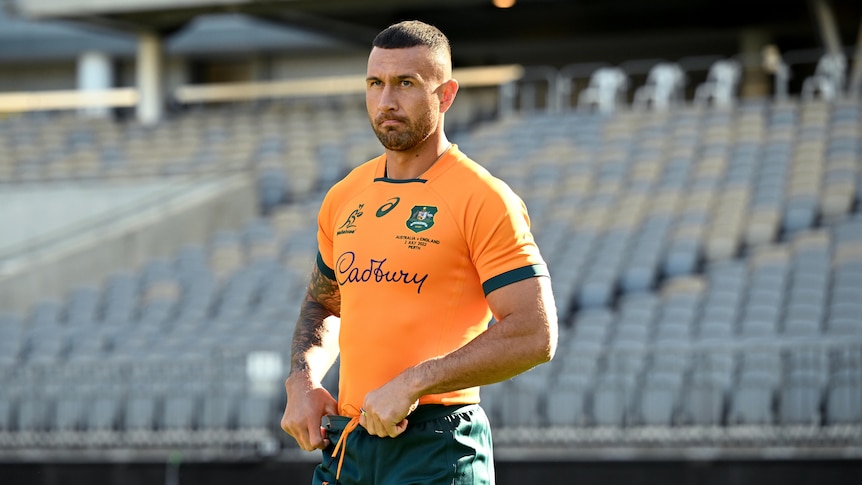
(411, 136)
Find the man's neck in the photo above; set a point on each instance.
(411, 164)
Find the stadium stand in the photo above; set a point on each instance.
(706, 259)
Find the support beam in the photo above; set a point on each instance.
(828, 27)
(95, 74)
(151, 102)
(755, 81)
(854, 88)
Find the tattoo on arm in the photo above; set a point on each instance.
(325, 291)
(321, 301)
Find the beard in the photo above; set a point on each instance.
(407, 136)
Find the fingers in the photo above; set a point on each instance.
(302, 414)
(376, 426)
(326, 441)
(316, 436)
(401, 427)
(309, 436)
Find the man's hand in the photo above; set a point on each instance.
(387, 407)
(306, 405)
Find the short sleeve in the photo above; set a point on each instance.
(502, 246)
(325, 260)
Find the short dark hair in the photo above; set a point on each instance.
(413, 33)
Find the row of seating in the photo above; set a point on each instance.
(180, 411)
(708, 394)
(635, 197)
(789, 290)
(294, 148)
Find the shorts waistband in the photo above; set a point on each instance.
(425, 412)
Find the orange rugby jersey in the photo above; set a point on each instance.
(414, 260)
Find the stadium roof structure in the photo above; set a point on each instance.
(23, 39)
(26, 40)
(533, 30)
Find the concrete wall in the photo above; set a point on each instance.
(88, 257)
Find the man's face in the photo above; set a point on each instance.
(402, 95)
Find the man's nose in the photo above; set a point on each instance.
(387, 101)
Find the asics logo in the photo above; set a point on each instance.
(388, 206)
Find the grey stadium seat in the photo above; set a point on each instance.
(800, 400)
(522, 404)
(141, 413)
(752, 401)
(844, 399)
(703, 401)
(217, 412)
(103, 413)
(179, 412)
(69, 413)
(34, 414)
(658, 400)
(254, 412)
(7, 406)
(566, 404)
(611, 396)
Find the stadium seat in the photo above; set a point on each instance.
(800, 400)
(752, 401)
(844, 398)
(47, 347)
(272, 187)
(606, 90)
(69, 413)
(566, 403)
(664, 87)
(827, 82)
(103, 413)
(597, 291)
(703, 401)
(34, 414)
(120, 298)
(7, 407)
(180, 411)
(658, 399)
(800, 213)
(683, 257)
(523, 405)
(610, 398)
(141, 413)
(226, 254)
(721, 85)
(255, 412)
(217, 412)
(46, 313)
(82, 306)
(803, 325)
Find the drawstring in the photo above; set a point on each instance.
(341, 444)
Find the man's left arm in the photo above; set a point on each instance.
(524, 336)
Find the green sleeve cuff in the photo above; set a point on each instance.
(324, 269)
(513, 276)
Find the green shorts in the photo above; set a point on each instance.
(442, 445)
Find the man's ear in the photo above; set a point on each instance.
(447, 92)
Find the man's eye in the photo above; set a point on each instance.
(406, 84)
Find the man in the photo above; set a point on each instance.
(418, 249)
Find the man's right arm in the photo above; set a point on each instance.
(316, 332)
(313, 351)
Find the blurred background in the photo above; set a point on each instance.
(693, 171)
